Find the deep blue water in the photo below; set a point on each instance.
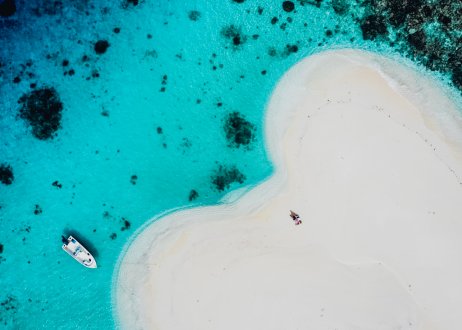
(165, 111)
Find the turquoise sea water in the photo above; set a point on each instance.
(169, 115)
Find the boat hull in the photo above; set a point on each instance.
(79, 253)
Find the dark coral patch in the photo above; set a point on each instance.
(41, 109)
(233, 34)
(38, 210)
(125, 224)
(290, 49)
(1, 248)
(272, 51)
(57, 184)
(316, 3)
(113, 236)
(163, 83)
(133, 179)
(224, 176)
(130, 3)
(238, 1)
(7, 8)
(417, 40)
(427, 31)
(193, 195)
(340, 6)
(238, 130)
(6, 174)
(457, 77)
(288, 6)
(101, 46)
(194, 15)
(50, 8)
(8, 309)
(373, 26)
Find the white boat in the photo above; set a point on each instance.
(78, 252)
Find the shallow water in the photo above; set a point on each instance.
(170, 115)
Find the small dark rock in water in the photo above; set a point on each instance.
(16, 80)
(291, 49)
(288, 6)
(7, 8)
(101, 46)
(193, 194)
(42, 109)
(65, 62)
(38, 209)
(224, 176)
(238, 1)
(133, 179)
(95, 73)
(116, 30)
(6, 174)
(126, 224)
(238, 130)
(373, 26)
(159, 130)
(113, 236)
(1, 248)
(57, 185)
(163, 83)
(274, 20)
(194, 15)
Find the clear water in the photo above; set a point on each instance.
(121, 124)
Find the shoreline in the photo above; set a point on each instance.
(379, 232)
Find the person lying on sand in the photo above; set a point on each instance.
(295, 217)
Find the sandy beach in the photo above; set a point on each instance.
(369, 153)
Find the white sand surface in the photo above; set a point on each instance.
(368, 152)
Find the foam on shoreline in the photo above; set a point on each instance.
(363, 152)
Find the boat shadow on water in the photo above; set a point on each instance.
(82, 239)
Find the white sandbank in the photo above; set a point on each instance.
(369, 153)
